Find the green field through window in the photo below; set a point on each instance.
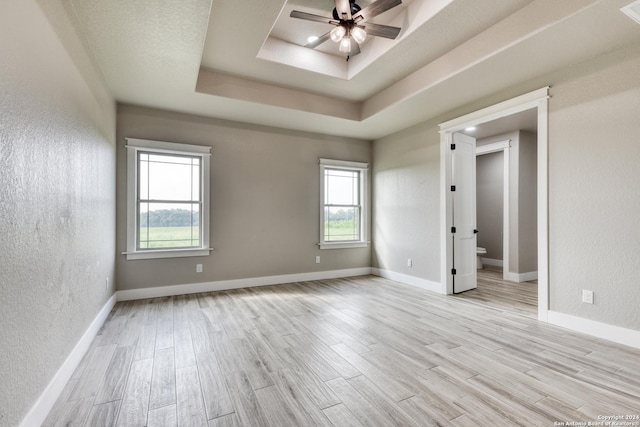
(169, 237)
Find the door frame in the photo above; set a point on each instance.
(503, 147)
(536, 99)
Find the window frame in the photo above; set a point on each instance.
(362, 169)
(134, 146)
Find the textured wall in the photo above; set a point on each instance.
(57, 198)
(594, 201)
(407, 202)
(523, 238)
(527, 202)
(264, 200)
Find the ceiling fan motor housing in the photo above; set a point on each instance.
(349, 24)
(354, 9)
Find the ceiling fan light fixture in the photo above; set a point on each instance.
(349, 24)
(345, 45)
(358, 34)
(337, 33)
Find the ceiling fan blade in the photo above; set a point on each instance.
(382, 30)
(375, 9)
(344, 9)
(310, 17)
(314, 44)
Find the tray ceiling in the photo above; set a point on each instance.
(242, 60)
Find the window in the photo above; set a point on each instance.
(343, 207)
(167, 199)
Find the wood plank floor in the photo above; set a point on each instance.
(362, 351)
(493, 291)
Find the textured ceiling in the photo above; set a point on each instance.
(207, 57)
(444, 25)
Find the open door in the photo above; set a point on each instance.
(463, 195)
(538, 99)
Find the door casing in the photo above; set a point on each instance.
(536, 99)
(504, 148)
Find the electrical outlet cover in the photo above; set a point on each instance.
(587, 296)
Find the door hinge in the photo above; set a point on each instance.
(453, 146)
(453, 271)
(453, 230)
(453, 188)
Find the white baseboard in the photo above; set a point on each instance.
(527, 277)
(409, 280)
(222, 285)
(47, 399)
(605, 331)
(492, 262)
(49, 396)
(521, 277)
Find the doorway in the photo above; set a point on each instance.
(537, 100)
(492, 205)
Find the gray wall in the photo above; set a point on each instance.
(523, 239)
(594, 158)
(489, 203)
(264, 199)
(57, 217)
(527, 202)
(57, 201)
(406, 183)
(593, 205)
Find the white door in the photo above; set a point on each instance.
(463, 193)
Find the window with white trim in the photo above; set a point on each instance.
(167, 199)
(343, 204)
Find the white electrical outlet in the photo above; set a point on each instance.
(198, 268)
(318, 259)
(107, 285)
(587, 296)
(409, 263)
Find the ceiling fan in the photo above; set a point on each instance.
(350, 24)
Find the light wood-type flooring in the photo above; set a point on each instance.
(363, 351)
(500, 294)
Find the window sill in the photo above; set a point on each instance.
(167, 253)
(343, 245)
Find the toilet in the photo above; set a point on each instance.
(480, 251)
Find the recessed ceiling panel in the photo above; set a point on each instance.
(292, 33)
(632, 11)
(203, 57)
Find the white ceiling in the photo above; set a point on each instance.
(297, 31)
(525, 120)
(242, 60)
